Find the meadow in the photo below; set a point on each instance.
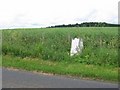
(100, 44)
(0, 48)
(53, 45)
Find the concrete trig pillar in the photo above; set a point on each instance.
(76, 46)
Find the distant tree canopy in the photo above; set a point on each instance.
(88, 24)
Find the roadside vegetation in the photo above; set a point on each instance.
(99, 58)
(0, 48)
(0, 60)
(84, 71)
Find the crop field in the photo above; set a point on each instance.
(0, 48)
(48, 50)
(53, 44)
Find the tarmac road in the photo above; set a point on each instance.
(24, 79)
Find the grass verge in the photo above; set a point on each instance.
(62, 68)
(0, 60)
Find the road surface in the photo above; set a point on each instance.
(24, 79)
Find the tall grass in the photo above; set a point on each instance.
(100, 44)
(0, 48)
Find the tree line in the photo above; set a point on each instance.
(88, 24)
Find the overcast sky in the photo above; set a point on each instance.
(42, 13)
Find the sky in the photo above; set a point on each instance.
(43, 13)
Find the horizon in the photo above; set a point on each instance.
(52, 26)
(45, 13)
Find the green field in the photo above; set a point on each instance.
(53, 45)
(0, 48)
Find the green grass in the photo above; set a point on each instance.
(0, 48)
(63, 68)
(48, 50)
(0, 60)
(100, 44)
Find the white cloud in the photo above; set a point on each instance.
(40, 13)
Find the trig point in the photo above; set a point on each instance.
(76, 46)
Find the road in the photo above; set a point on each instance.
(24, 79)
